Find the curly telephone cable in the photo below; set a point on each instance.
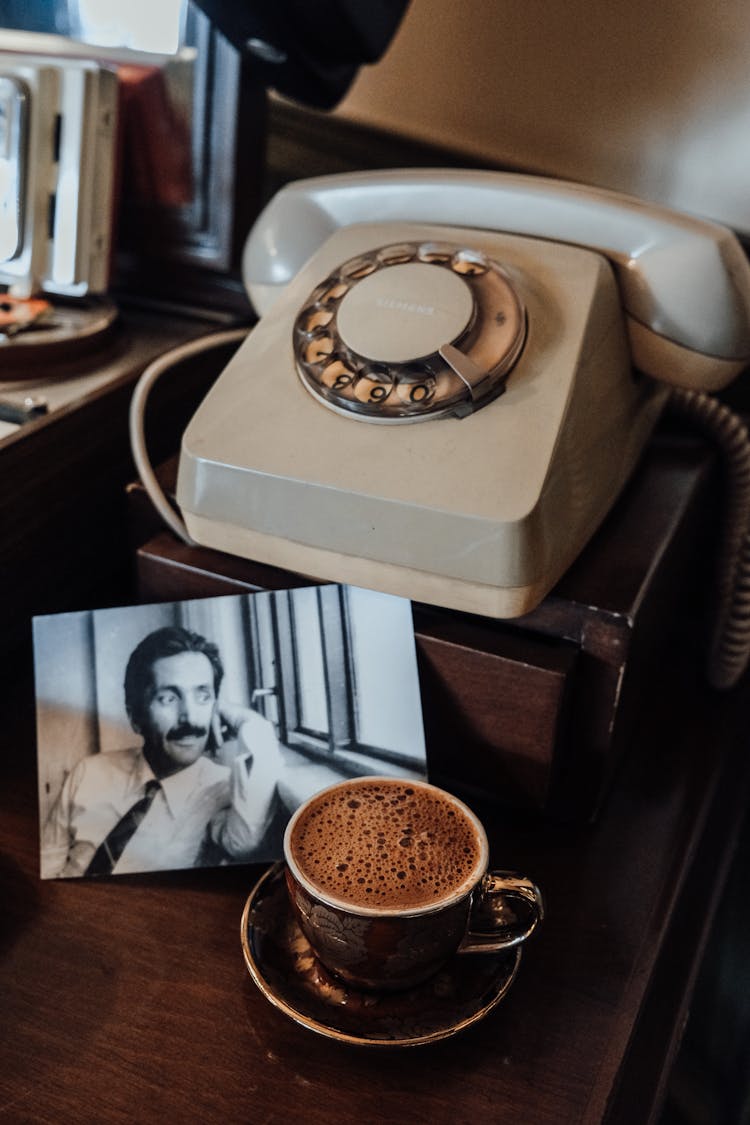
(730, 643)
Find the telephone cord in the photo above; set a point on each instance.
(138, 403)
(729, 647)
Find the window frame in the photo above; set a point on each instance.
(340, 743)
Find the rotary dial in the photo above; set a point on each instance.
(410, 331)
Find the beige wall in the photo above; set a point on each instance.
(652, 98)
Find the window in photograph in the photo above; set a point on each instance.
(348, 690)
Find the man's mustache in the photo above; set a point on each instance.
(186, 730)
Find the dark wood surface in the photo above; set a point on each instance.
(127, 999)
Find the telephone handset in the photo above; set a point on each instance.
(684, 282)
(472, 304)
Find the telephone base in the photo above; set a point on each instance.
(482, 514)
(405, 582)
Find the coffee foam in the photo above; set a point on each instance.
(386, 843)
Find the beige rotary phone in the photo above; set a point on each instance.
(452, 378)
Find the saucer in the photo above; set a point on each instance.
(283, 966)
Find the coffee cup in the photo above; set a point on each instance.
(388, 879)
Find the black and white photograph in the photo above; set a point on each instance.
(185, 734)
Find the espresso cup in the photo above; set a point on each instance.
(388, 879)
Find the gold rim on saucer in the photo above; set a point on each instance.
(283, 966)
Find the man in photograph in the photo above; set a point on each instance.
(168, 802)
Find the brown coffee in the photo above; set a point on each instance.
(385, 843)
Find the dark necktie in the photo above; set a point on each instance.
(112, 847)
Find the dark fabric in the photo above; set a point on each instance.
(320, 44)
(112, 847)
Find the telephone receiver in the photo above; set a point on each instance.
(684, 282)
(452, 378)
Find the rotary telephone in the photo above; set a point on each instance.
(452, 378)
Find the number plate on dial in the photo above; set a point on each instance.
(410, 331)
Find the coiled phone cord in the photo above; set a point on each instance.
(729, 649)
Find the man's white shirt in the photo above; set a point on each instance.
(100, 789)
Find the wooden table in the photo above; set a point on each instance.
(127, 1000)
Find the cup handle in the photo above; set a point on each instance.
(506, 910)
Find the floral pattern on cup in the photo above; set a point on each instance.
(378, 951)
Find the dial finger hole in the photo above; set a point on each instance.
(337, 376)
(358, 268)
(315, 318)
(395, 255)
(318, 349)
(437, 253)
(330, 292)
(415, 390)
(373, 387)
(469, 263)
